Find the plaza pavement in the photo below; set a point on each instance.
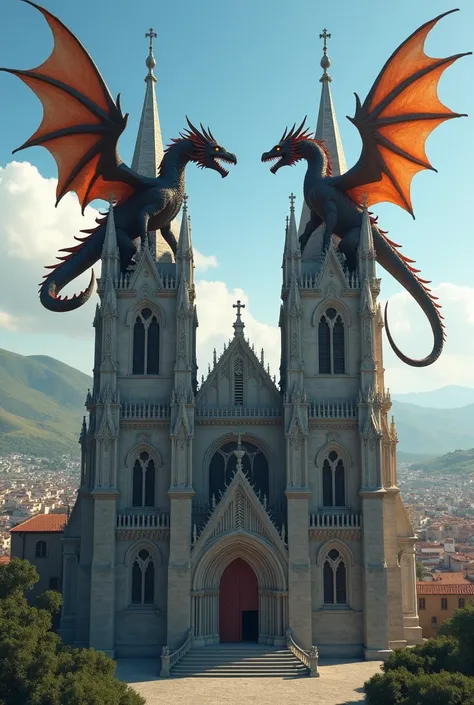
(341, 683)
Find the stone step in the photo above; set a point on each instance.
(227, 661)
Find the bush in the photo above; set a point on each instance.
(433, 656)
(400, 687)
(36, 668)
(461, 628)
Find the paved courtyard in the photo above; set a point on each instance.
(341, 683)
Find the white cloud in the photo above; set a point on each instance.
(32, 231)
(6, 321)
(204, 262)
(413, 336)
(216, 316)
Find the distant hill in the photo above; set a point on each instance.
(459, 461)
(450, 397)
(433, 431)
(41, 405)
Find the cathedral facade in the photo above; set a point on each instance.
(239, 508)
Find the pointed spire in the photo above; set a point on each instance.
(327, 128)
(292, 254)
(184, 253)
(239, 325)
(367, 268)
(110, 251)
(149, 145)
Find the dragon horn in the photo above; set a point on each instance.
(298, 131)
(206, 134)
(193, 129)
(212, 136)
(284, 134)
(290, 134)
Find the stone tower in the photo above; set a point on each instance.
(234, 510)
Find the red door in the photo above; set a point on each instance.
(238, 593)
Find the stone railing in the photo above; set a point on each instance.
(122, 283)
(335, 521)
(308, 658)
(143, 521)
(210, 412)
(143, 410)
(169, 660)
(332, 410)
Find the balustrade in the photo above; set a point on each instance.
(333, 410)
(335, 521)
(144, 410)
(143, 521)
(206, 412)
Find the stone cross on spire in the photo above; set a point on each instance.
(325, 62)
(238, 325)
(150, 62)
(292, 198)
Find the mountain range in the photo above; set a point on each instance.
(42, 404)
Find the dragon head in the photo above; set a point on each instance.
(205, 151)
(288, 151)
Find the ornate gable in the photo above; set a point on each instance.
(331, 273)
(239, 512)
(145, 279)
(238, 377)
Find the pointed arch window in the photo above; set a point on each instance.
(146, 343)
(334, 579)
(331, 343)
(334, 492)
(239, 382)
(224, 464)
(143, 493)
(143, 579)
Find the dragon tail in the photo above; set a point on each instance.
(77, 260)
(400, 267)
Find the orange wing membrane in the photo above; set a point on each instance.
(81, 122)
(399, 113)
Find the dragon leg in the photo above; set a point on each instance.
(348, 246)
(398, 267)
(170, 238)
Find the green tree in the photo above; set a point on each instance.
(461, 627)
(36, 668)
(421, 571)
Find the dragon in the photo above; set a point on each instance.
(400, 111)
(81, 126)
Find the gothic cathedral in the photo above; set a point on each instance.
(238, 510)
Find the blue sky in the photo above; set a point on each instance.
(248, 69)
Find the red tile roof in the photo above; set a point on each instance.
(439, 587)
(41, 523)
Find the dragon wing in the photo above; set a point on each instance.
(400, 111)
(81, 122)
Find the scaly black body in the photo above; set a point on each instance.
(401, 109)
(81, 127)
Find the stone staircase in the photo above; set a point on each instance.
(240, 661)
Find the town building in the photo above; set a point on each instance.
(237, 509)
(440, 597)
(39, 541)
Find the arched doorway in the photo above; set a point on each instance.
(238, 603)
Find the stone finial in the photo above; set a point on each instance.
(325, 61)
(239, 325)
(150, 60)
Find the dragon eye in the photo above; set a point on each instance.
(277, 149)
(217, 149)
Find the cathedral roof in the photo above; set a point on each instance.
(149, 145)
(239, 345)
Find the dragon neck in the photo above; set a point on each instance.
(174, 162)
(316, 157)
